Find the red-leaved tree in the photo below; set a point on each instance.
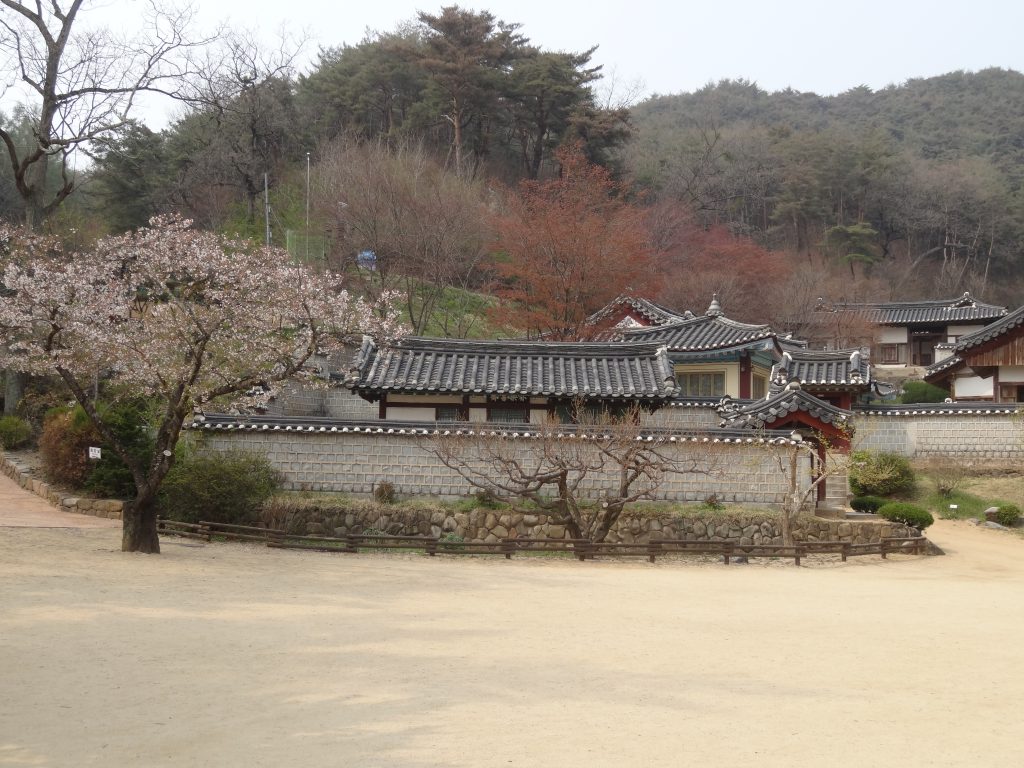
(699, 261)
(566, 247)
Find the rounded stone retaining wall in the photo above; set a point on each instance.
(487, 525)
(22, 474)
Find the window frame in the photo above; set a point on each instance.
(717, 377)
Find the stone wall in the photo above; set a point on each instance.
(974, 437)
(486, 525)
(355, 461)
(699, 416)
(22, 474)
(334, 403)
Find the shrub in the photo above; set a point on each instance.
(384, 492)
(922, 392)
(485, 498)
(908, 514)
(451, 542)
(1007, 514)
(14, 433)
(947, 474)
(68, 434)
(880, 474)
(867, 503)
(64, 446)
(224, 487)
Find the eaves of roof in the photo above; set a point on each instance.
(759, 413)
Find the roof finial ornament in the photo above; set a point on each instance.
(714, 309)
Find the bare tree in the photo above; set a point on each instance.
(582, 475)
(84, 82)
(829, 459)
(424, 226)
(243, 123)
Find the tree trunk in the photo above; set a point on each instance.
(14, 390)
(138, 531)
(787, 529)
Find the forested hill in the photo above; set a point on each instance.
(928, 174)
(955, 115)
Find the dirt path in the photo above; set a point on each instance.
(228, 655)
(19, 508)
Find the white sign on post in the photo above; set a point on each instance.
(94, 453)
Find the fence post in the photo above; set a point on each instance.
(653, 549)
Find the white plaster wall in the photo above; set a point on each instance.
(1011, 374)
(893, 336)
(408, 413)
(972, 386)
(961, 330)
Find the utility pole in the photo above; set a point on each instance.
(266, 207)
(307, 208)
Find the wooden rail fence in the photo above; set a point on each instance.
(582, 549)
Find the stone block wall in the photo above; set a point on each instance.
(684, 417)
(354, 462)
(977, 437)
(335, 403)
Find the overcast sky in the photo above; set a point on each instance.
(668, 47)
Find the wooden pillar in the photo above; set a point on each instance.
(745, 373)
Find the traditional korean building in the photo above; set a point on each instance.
(633, 312)
(987, 365)
(907, 332)
(508, 381)
(825, 427)
(714, 356)
(839, 377)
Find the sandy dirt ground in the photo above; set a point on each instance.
(233, 655)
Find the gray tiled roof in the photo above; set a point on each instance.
(842, 368)
(220, 422)
(962, 346)
(759, 413)
(1006, 324)
(963, 309)
(554, 369)
(941, 366)
(656, 314)
(941, 409)
(701, 333)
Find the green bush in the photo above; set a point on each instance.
(451, 542)
(922, 392)
(867, 503)
(14, 433)
(110, 476)
(908, 514)
(226, 487)
(880, 474)
(68, 433)
(1007, 514)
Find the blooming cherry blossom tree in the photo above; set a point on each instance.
(180, 316)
